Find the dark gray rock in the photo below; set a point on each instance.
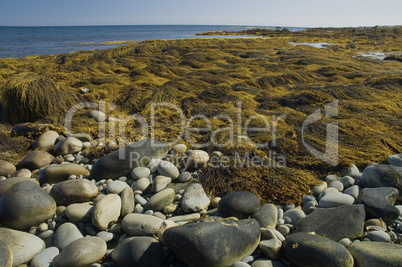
(36, 160)
(266, 215)
(395, 160)
(25, 205)
(6, 168)
(8, 183)
(376, 254)
(74, 191)
(60, 172)
(306, 250)
(381, 175)
(335, 223)
(121, 162)
(239, 204)
(141, 251)
(213, 244)
(379, 202)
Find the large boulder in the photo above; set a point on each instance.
(25, 205)
(307, 250)
(8, 183)
(122, 161)
(335, 223)
(213, 244)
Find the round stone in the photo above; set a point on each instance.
(46, 140)
(168, 169)
(196, 159)
(161, 199)
(295, 215)
(379, 236)
(107, 210)
(25, 205)
(79, 212)
(141, 224)
(140, 185)
(74, 191)
(353, 191)
(36, 160)
(347, 181)
(337, 185)
(66, 234)
(107, 236)
(180, 148)
(140, 172)
(81, 252)
(45, 257)
(116, 187)
(266, 215)
(318, 189)
(160, 182)
(70, 145)
(240, 204)
(184, 177)
(24, 172)
(6, 168)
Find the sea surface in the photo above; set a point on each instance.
(19, 42)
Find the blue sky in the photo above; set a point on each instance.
(303, 13)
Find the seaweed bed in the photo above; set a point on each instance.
(270, 76)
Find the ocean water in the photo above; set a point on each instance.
(19, 42)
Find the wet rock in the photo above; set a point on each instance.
(238, 204)
(24, 246)
(138, 251)
(205, 248)
(25, 205)
(121, 162)
(303, 249)
(74, 191)
(379, 202)
(335, 223)
(60, 172)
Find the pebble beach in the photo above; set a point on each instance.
(65, 209)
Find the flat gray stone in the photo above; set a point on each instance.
(303, 249)
(140, 172)
(194, 199)
(335, 223)
(36, 160)
(44, 258)
(138, 251)
(82, 252)
(25, 205)
(60, 172)
(335, 200)
(116, 187)
(141, 224)
(266, 215)
(240, 239)
(74, 191)
(66, 234)
(121, 162)
(376, 254)
(240, 204)
(24, 246)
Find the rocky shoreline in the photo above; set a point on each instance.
(59, 207)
